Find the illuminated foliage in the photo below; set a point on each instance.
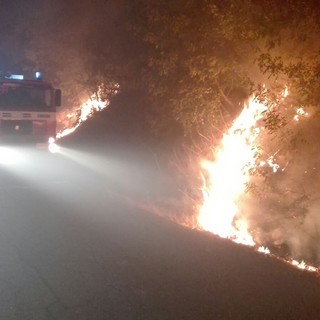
(206, 57)
(199, 60)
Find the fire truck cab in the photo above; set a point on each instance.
(27, 110)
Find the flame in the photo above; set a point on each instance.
(93, 104)
(303, 265)
(285, 92)
(264, 250)
(229, 174)
(300, 112)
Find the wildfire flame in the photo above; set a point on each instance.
(300, 112)
(93, 104)
(228, 175)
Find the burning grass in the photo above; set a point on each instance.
(69, 120)
(218, 195)
(220, 186)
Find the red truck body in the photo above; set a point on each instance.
(27, 111)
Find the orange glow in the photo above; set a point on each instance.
(300, 112)
(302, 265)
(264, 250)
(86, 110)
(228, 175)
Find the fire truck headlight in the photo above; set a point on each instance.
(9, 156)
(53, 148)
(51, 140)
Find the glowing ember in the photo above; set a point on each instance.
(300, 113)
(275, 167)
(264, 250)
(228, 175)
(302, 265)
(87, 109)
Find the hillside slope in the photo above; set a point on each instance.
(179, 273)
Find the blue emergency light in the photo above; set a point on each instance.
(15, 77)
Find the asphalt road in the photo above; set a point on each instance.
(73, 247)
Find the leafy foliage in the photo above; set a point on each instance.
(205, 57)
(192, 74)
(198, 59)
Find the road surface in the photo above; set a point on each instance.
(73, 247)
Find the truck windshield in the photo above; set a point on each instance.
(24, 98)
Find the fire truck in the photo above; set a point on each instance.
(27, 110)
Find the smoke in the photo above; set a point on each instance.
(303, 240)
(74, 43)
(296, 237)
(77, 45)
(282, 208)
